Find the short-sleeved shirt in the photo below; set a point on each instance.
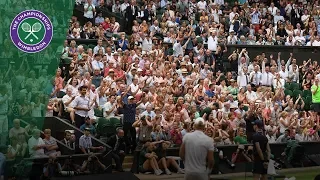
(263, 141)
(196, 151)
(50, 142)
(240, 140)
(316, 96)
(85, 142)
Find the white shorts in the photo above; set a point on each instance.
(3, 124)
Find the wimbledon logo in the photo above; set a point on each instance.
(31, 31)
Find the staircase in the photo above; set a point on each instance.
(127, 163)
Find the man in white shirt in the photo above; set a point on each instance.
(99, 46)
(196, 154)
(96, 63)
(177, 48)
(212, 41)
(67, 100)
(110, 108)
(36, 145)
(202, 5)
(255, 76)
(251, 95)
(81, 105)
(243, 78)
(266, 76)
(273, 9)
(278, 82)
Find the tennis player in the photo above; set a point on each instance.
(197, 153)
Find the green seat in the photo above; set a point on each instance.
(288, 92)
(287, 85)
(294, 86)
(114, 121)
(98, 112)
(105, 127)
(306, 93)
(91, 46)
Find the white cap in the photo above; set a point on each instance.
(198, 120)
(130, 97)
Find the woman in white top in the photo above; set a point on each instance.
(284, 122)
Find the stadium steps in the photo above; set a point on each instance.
(127, 163)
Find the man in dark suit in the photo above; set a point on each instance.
(118, 144)
(131, 14)
(148, 14)
(199, 29)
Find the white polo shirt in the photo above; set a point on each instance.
(196, 151)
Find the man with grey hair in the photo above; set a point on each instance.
(36, 145)
(196, 154)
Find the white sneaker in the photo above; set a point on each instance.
(158, 172)
(168, 172)
(180, 171)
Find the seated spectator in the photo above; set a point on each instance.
(240, 138)
(119, 148)
(242, 155)
(52, 168)
(51, 144)
(15, 150)
(36, 145)
(87, 124)
(30, 127)
(85, 143)
(165, 162)
(3, 151)
(93, 165)
(159, 133)
(148, 159)
(69, 168)
(17, 129)
(68, 140)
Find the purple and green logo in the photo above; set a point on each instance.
(31, 31)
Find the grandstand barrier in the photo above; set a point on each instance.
(301, 53)
(37, 164)
(222, 167)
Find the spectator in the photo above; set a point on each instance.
(3, 114)
(3, 151)
(92, 166)
(85, 143)
(148, 159)
(119, 147)
(36, 145)
(81, 106)
(52, 168)
(16, 131)
(87, 124)
(51, 144)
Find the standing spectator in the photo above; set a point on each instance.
(3, 114)
(117, 143)
(89, 11)
(130, 15)
(129, 117)
(315, 88)
(81, 106)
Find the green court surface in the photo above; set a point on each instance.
(305, 175)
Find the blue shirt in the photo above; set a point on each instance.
(210, 93)
(129, 112)
(125, 44)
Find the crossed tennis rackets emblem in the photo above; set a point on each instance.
(26, 27)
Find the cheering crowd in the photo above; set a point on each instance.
(169, 68)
